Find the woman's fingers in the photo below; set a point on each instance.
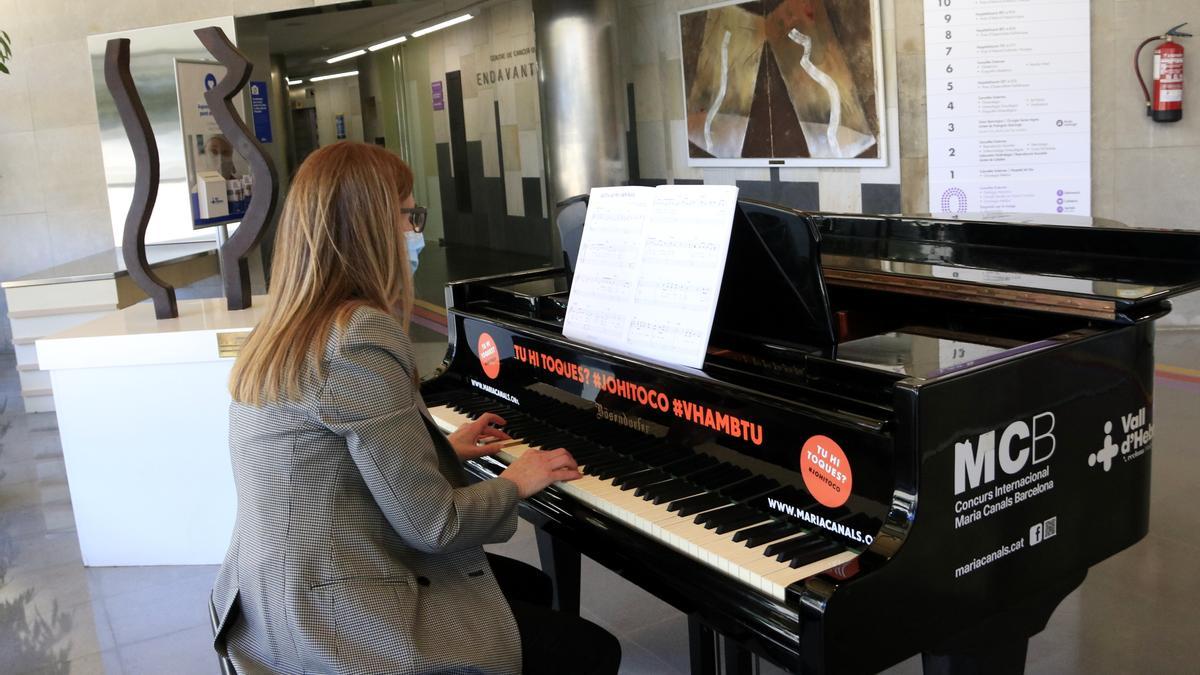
(564, 462)
(490, 423)
(493, 432)
(556, 453)
(567, 473)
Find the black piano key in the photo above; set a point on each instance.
(603, 453)
(717, 469)
(800, 498)
(683, 491)
(649, 491)
(594, 468)
(764, 534)
(662, 456)
(720, 476)
(711, 519)
(636, 447)
(698, 504)
(643, 479)
(749, 488)
(689, 465)
(614, 470)
(639, 472)
(475, 409)
(539, 436)
(791, 548)
(766, 529)
(802, 550)
(556, 440)
(637, 480)
(584, 453)
(518, 428)
(738, 523)
(778, 547)
(828, 549)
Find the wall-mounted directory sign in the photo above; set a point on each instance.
(260, 111)
(1008, 88)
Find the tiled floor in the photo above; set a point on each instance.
(1137, 612)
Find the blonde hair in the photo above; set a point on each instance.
(340, 245)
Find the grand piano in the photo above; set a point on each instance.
(909, 435)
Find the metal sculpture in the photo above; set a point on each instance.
(145, 187)
(235, 271)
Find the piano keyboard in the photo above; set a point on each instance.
(688, 501)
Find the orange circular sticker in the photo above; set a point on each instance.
(826, 471)
(489, 356)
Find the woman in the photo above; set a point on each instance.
(358, 543)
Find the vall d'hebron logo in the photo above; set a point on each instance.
(1138, 436)
(1021, 454)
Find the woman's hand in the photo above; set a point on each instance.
(536, 469)
(479, 438)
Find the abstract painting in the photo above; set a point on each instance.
(784, 83)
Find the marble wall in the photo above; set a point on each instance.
(53, 206)
(486, 131)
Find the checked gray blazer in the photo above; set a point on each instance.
(357, 546)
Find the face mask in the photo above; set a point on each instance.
(416, 242)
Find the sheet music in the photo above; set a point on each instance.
(651, 262)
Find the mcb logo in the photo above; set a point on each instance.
(1021, 444)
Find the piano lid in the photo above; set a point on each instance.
(1077, 266)
(773, 289)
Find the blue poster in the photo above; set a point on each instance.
(260, 111)
(340, 125)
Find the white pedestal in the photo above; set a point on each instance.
(143, 413)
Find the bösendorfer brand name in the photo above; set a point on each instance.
(623, 419)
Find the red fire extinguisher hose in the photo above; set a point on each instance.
(1137, 68)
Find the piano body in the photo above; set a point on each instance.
(910, 435)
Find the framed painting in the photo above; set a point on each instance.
(784, 83)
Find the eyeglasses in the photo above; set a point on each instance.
(417, 216)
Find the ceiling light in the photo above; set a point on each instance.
(343, 57)
(387, 43)
(349, 73)
(444, 24)
(292, 83)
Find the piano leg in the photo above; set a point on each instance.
(561, 561)
(702, 642)
(738, 661)
(998, 645)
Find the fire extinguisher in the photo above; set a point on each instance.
(1166, 105)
